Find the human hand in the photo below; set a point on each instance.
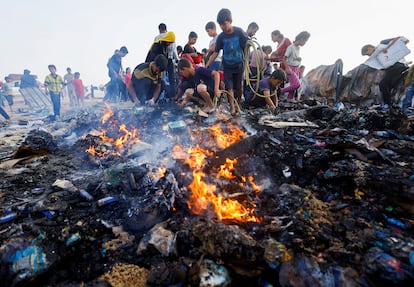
(151, 102)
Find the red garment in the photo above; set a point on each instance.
(281, 50)
(79, 90)
(128, 78)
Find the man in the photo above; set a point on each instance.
(53, 86)
(27, 80)
(172, 56)
(116, 89)
(68, 78)
(394, 74)
(146, 83)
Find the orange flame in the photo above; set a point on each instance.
(91, 150)
(224, 140)
(226, 170)
(204, 198)
(121, 142)
(108, 113)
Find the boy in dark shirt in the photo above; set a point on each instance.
(200, 84)
(267, 91)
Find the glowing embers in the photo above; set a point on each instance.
(115, 137)
(225, 195)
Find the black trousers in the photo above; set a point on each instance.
(393, 76)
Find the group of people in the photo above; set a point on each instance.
(54, 86)
(184, 74)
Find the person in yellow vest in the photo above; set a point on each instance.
(53, 86)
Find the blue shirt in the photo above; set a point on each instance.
(233, 46)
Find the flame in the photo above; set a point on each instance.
(126, 138)
(224, 140)
(204, 197)
(91, 150)
(226, 170)
(108, 113)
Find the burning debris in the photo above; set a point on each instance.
(314, 196)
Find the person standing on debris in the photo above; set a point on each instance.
(409, 90)
(53, 86)
(70, 90)
(190, 52)
(201, 84)
(164, 44)
(79, 90)
(27, 80)
(212, 32)
(8, 92)
(282, 44)
(291, 61)
(394, 74)
(146, 83)
(267, 91)
(116, 89)
(233, 43)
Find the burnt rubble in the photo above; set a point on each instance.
(326, 197)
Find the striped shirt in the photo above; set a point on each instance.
(54, 83)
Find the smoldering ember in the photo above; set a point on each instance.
(113, 195)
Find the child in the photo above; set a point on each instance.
(200, 84)
(233, 42)
(292, 61)
(79, 90)
(212, 32)
(267, 90)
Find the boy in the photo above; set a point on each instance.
(53, 86)
(212, 32)
(233, 42)
(200, 84)
(146, 83)
(268, 91)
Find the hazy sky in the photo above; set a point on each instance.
(83, 34)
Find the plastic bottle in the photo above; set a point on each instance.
(8, 217)
(106, 200)
(85, 194)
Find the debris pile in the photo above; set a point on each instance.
(311, 196)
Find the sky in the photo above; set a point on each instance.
(83, 34)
